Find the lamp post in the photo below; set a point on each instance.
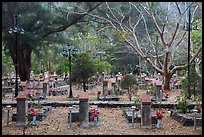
(74, 53)
(188, 28)
(16, 30)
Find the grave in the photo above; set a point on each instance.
(188, 119)
(22, 109)
(83, 111)
(137, 115)
(158, 89)
(45, 88)
(105, 87)
(146, 121)
(42, 114)
(109, 98)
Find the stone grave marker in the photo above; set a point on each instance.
(105, 87)
(146, 120)
(22, 109)
(83, 111)
(5, 81)
(146, 83)
(158, 89)
(45, 88)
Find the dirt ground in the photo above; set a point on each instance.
(111, 121)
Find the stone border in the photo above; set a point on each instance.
(114, 104)
(186, 120)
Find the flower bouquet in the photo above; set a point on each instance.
(34, 114)
(94, 115)
(159, 117)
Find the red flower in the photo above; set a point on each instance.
(159, 115)
(109, 92)
(95, 113)
(35, 113)
(99, 92)
(166, 95)
(32, 109)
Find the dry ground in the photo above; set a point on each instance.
(112, 121)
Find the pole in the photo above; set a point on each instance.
(7, 124)
(70, 119)
(189, 29)
(16, 34)
(133, 118)
(70, 93)
(194, 121)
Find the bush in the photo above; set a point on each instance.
(152, 90)
(137, 102)
(182, 104)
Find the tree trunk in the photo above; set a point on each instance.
(129, 93)
(167, 79)
(84, 86)
(24, 63)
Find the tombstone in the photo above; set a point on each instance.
(146, 83)
(31, 74)
(158, 89)
(83, 111)
(45, 88)
(23, 85)
(146, 120)
(105, 87)
(159, 77)
(5, 81)
(22, 109)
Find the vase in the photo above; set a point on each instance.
(159, 125)
(34, 121)
(95, 121)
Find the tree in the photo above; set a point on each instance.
(129, 82)
(83, 69)
(102, 66)
(40, 21)
(158, 46)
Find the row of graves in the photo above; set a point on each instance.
(110, 91)
(83, 113)
(8, 85)
(158, 99)
(144, 81)
(28, 112)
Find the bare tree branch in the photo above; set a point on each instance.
(186, 65)
(64, 27)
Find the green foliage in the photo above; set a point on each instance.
(182, 105)
(152, 89)
(195, 86)
(128, 81)
(184, 87)
(7, 64)
(63, 67)
(181, 99)
(83, 68)
(102, 66)
(137, 101)
(196, 35)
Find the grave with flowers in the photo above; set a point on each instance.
(92, 112)
(33, 111)
(146, 116)
(109, 93)
(187, 114)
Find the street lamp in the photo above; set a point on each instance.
(74, 53)
(16, 31)
(187, 27)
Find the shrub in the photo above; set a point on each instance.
(137, 102)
